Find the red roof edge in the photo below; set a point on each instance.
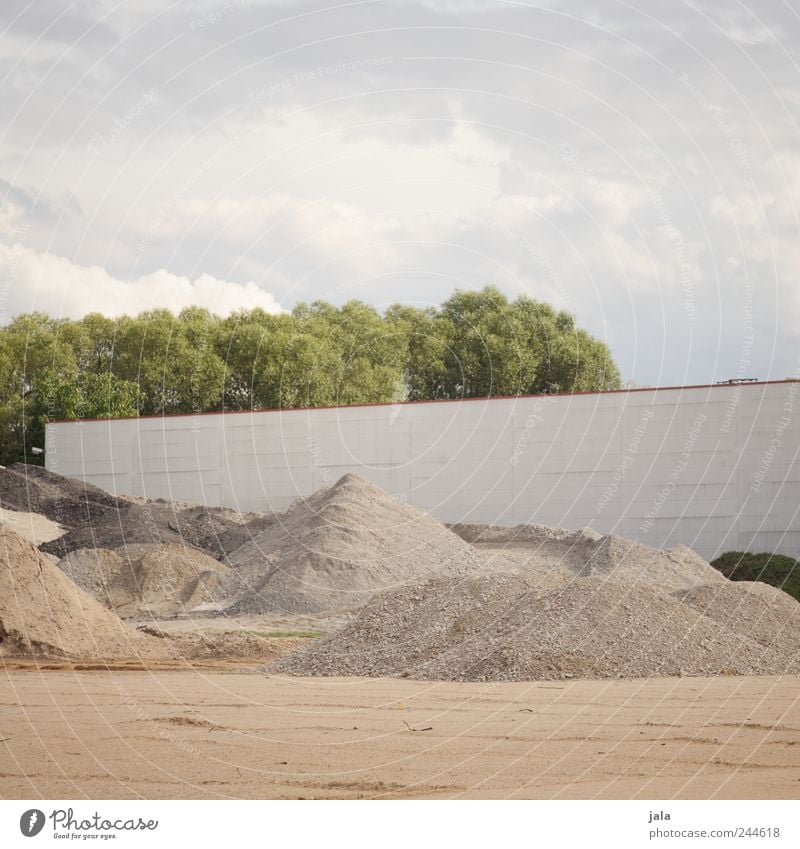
(436, 401)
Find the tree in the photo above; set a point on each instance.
(172, 361)
(478, 343)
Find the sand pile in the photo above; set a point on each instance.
(42, 613)
(552, 557)
(338, 548)
(45, 615)
(141, 581)
(502, 628)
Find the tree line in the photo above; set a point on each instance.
(475, 344)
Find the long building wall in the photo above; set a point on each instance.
(715, 468)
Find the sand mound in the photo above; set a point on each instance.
(42, 613)
(552, 557)
(337, 548)
(140, 581)
(499, 627)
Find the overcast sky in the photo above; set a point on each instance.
(635, 163)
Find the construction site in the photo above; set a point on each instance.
(269, 654)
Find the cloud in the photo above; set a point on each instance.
(632, 162)
(54, 284)
(16, 202)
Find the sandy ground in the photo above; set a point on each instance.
(196, 734)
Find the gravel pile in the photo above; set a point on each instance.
(338, 548)
(141, 581)
(503, 628)
(44, 614)
(476, 603)
(66, 501)
(130, 524)
(216, 530)
(95, 519)
(552, 557)
(757, 611)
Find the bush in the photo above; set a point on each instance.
(775, 569)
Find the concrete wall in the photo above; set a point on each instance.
(715, 468)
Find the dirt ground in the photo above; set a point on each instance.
(238, 734)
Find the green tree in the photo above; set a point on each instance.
(422, 338)
(478, 343)
(501, 347)
(176, 370)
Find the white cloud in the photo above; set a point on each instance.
(54, 284)
(636, 166)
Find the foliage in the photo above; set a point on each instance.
(476, 344)
(775, 569)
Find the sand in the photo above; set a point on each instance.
(101, 710)
(33, 527)
(42, 613)
(47, 617)
(471, 603)
(145, 581)
(209, 736)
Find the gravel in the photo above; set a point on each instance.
(552, 557)
(339, 547)
(501, 627)
(66, 501)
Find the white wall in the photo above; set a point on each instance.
(715, 468)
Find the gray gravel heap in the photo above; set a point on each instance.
(338, 548)
(502, 628)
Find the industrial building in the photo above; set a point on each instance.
(713, 467)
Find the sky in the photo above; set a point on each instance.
(634, 163)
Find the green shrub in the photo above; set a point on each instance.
(775, 569)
